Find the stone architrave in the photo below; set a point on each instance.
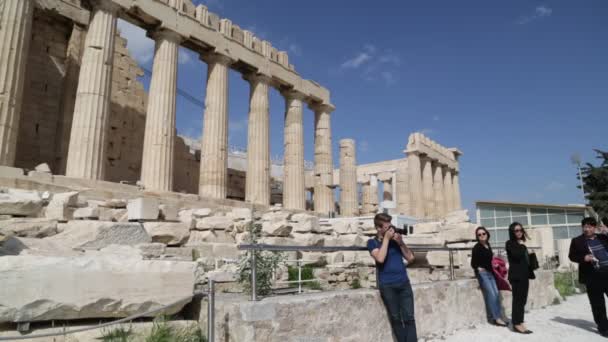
(348, 178)
(86, 153)
(15, 26)
(416, 195)
(427, 186)
(447, 190)
(456, 191)
(159, 136)
(257, 182)
(214, 145)
(294, 192)
(323, 172)
(438, 191)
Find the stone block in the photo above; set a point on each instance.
(20, 203)
(169, 233)
(427, 227)
(41, 176)
(143, 209)
(152, 250)
(197, 237)
(86, 213)
(58, 211)
(423, 239)
(102, 285)
(86, 234)
(308, 239)
(345, 226)
(10, 172)
(113, 215)
(66, 198)
(457, 216)
(214, 223)
(168, 212)
(241, 214)
(276, 228)
(44, 167)
(186, 216)
(28, 227)
(114, 203)
(464, 233)
(305, 223)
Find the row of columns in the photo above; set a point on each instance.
(434, 188)
(86, 151)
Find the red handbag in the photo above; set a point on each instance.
(499, 267)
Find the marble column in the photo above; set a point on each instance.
(447, 191)
(369, 198)
(15, 35)
(402, 192)
(456, 191)
(86, 152)
(427, 186)
(438, 190)
(387, 190)
(323, 172)
(294, 192)
(348, 178)
(159, 136)
(213, 178)
(416, 195)
(257, 182)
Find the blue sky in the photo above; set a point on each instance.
(518, 86)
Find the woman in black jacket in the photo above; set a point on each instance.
(520, 274)
(481, 261)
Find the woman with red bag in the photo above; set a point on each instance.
(481, 261)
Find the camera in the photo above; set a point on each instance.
(403, 231)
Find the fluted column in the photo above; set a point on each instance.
(323, 173)
(427, 186)
(447, 191)
(416, 195)
(159, 136)
(456, 192)
(86, 153)
(15, 30)
(387, 190)
(294, 192)
(403, 186)
(348, 178)
(369, 196)
(257, 181)
(438, 190)
(213, 179)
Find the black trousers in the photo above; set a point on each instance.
(597, 286)
(520, 297)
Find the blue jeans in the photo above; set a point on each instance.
(491, 295)
(399, 302)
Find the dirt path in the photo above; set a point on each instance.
(569, 321)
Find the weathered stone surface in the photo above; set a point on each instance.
(423, 239)
(143, 208)
(276, 215)
(66, 198)
(187, 216)
(104, 285)
(323, 228)
(169, 233)
(346, 240)
(457, 216)
(240, 214)
(34, 246)
(197, 237)
(28, 227)
(41, 176)
(427, 227)
(345, 226)
(276, 228)
(305, 223)
(113, 215)
(86, 213)
(151, 250)
(10, 172)
(44, 167)
(464, 232)
(214, 223)
(20, 202)
(308, 239)
(85, 234)
(203, 212)
(114, 203)
(168, 212)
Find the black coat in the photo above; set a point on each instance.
(578, 250)
(519, 262)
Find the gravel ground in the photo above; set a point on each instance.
(570, 321)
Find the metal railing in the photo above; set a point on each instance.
(210, 293)
(277, 248)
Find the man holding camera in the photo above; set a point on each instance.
(388, 250)
(590, 251)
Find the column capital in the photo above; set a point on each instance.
(255, 77)
(322, 107)
(214, 57)
(291, 94)
(164, 33)
(106, 5)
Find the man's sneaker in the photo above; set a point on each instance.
(604, 333)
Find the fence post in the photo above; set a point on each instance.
(452, 275)
(211, 312)
(253, 277)
(299, 276)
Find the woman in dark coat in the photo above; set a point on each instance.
(520, 274)
(481, 262)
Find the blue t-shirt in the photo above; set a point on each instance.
(393, 270)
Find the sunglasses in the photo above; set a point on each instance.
(518, 230)
(482, 234)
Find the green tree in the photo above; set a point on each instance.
(595, 183)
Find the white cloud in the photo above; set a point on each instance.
(427, 131)
(356, 61)
(295, 49)
(184, 56)
(237, 126)
(539, 12)
(140, 46)
(374, 65)
(554, 186)
(388, 77)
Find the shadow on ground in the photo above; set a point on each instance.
(579, 323)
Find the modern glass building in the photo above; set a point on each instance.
(565, 220)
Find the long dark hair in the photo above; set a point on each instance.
(487, 234)
(512, 232)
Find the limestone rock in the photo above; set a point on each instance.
(86, 213)
(169, 233)
(197, 237)
(461, 232)
(92, 286)
(427, 227)
(203, 212)
(113, 215)
(143, 208)
(240, 214)
(345, 226)
(114, 203)
(10, 172)
(187, 216)
(168, 212)
(151, 250)
(276, 216)
(276, 228)
(44, 167)
(20, 203)
(323, 228)
(34, 246)
(305, 223)
(86, 234)
(214, 223)
(66, 198)
(457, 217)
(308, 239)
(28, 227)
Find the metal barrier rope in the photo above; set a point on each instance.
(127, 319)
